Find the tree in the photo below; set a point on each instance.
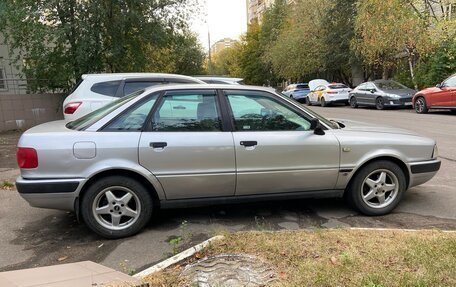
(226, 62)
(252, 67)
(388, 30)
(300, 48)
(60, 40)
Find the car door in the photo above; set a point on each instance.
(446, 97)
(370, 94)
(186, 146)
(275, 149)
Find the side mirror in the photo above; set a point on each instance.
(316, 127)
(372, 91)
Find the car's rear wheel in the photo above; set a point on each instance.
(420, 105)
(323, 102)
(377, 188)
(379, 103)
(116, 206)
(353, 102)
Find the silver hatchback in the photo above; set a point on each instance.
(179, 146)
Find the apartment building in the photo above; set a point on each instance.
(255, 9)
(221, 45)
(12, 81)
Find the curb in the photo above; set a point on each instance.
(400, 229)
(178, 257)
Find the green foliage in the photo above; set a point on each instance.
(226, 62)
(438, 65)
(60, 40)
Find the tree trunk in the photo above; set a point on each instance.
(410, 59)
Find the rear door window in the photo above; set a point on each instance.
(302, 86)
(106, 88)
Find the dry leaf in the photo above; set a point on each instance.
(333, 260)
(62, 258)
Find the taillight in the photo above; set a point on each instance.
(70, 108)
(26, 157)
(331, 92)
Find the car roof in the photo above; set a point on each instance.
(219, 78)
(158, 88)
(136, 75)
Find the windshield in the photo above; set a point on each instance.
(327, 122)
(390, 85)
(94, 116)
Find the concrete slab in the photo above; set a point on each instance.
(79, 274)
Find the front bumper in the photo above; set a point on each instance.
(50, 193)
(401, 102)
(423, 171)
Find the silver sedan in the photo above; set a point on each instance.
(180, 146)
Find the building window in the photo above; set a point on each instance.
(2, 80)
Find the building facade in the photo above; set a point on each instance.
(255, 9)
(221, 45)
(12, 81)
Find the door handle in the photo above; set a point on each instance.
(248, 143)
(158, 144)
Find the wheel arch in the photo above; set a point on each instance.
(117, 171)
(393, 159)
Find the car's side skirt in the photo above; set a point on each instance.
(196, 202)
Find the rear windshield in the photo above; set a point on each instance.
(302, 86)
(106, 88)
(337, 86)
(89, 119)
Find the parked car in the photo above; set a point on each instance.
(94, 91)
(220, 80)
(298, 91)
(381, 94)
(324, 93)
(442, 96)
(186, 145)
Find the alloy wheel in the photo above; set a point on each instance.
(380, 188)
(379, 103)
(116, 208)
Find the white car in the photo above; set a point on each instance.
(220, 80)
(324, 93)
(94, 91)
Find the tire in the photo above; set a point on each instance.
(380, 103)
(323, 102)
(420, 106)
(376, 182)
(109, 195)
(308, 101)
(353, 103)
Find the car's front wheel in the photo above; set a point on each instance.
(323, 102)
(116, 206)
(420, 105)
(377, 188)
(308, 101)
(379, 103)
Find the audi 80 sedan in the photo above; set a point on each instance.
(179, 146)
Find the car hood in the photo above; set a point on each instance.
(368, 127)
(430, 90)
(315, 83)
(401, 92)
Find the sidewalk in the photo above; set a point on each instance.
(80, 274)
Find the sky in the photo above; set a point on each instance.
(225, 18)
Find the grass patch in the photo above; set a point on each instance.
(343, 257)
(6, 185)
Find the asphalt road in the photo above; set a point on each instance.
(33, 237)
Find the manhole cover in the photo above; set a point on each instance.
(229, 270)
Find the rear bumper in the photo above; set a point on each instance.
(50, 193)
(421, 172)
